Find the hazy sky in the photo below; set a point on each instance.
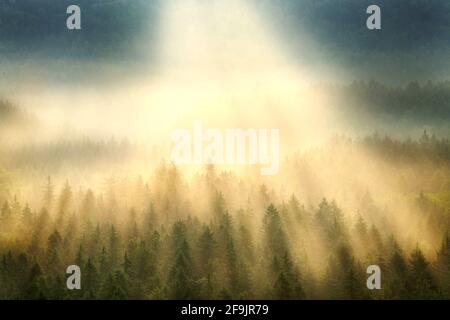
(323, 34)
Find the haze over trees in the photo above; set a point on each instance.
(218, 234)
(364, 167)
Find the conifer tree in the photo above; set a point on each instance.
(422, 282)
(181, 283)
(443, 266)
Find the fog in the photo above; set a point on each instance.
(95, 149)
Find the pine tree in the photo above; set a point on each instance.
(361, 229)
(398, 274)
(114, 247)
(115, 287)
(274, 235)
(64, 203)
(5, 217)
(181, 283)
(443, 266)
(287, 283)
(48, 197)
(57, 288)
(27, 216)
(329, 220)
(94, 245)
(53, 258)
(246, 245)
(90, 280)
(344, 275)
(154, 262)
(236, 282)
(298, 211)
(132, 227)
(127, 266)
(79, 261)
(105, 266)
(88, 207)
(421, 279)
(207, 247)
(35, 284)
(140, 271)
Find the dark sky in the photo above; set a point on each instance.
(413, 42)
(31, 28)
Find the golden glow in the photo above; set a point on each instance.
(220, 63)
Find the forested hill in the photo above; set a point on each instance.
(223, 237)
(427, 101)
(13, 117)
(17, 126)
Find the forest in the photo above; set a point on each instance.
(161, 234)
(361, 117)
